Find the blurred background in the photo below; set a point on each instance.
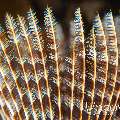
(62, 9)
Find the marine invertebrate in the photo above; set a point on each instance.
(38, 82)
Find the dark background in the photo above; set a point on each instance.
(62, 9)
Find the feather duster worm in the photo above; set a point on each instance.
(38, 81)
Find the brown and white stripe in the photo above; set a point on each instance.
(112, 52)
